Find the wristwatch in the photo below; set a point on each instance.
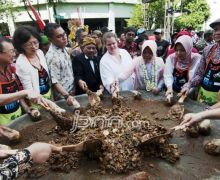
(66, 96)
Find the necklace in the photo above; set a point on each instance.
(150, 84)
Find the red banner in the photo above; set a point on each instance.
(40, 22)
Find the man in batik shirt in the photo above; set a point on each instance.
(59, 64)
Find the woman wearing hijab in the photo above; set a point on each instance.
(174, 37)
(148, 69)
(180, 66)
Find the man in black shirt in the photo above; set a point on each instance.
(162, 45)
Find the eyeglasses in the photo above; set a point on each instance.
(10, 51)
(32, 44)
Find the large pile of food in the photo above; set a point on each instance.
(119, 128)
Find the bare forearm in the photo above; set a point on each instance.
(7, 98)
(217, 105)
(26, 105)
(210, 114)
(59, 88)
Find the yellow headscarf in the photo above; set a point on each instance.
(87, 41)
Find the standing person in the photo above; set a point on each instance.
(122, 39)
(44, 44)
(97, 35)
(80, 35)
(205, 41)
(86, 68)
(130, 45)
(208, 72)
(31, 64)
(59, 64)
(113, 62)
(104, 30)
(11, 91)
(148, 69)
(140, 40)
(180, 66)
(162, 45)
(181, 33)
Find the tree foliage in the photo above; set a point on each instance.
(154, 14)
(136, 20)
(200, 12)
(6, 8)
(199, 9)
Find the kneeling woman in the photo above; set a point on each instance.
(148, 69)
(180, 66)
(31, 64)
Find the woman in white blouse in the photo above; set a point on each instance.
(113, 62)
(31, 66)
(180, 66)
(148, 69)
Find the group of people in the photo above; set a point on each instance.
(36, 69)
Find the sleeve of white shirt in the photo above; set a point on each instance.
(23, 75)
(168, 72)
(106, 75)
(161, 66)
(128, 72)
(196, 59)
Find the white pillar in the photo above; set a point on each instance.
(111, 20)
(50, 14)
(11, 25)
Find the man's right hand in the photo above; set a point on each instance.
(40, 152)
(71, 101)
(169, 94)
(115, 89)
(185, 90)
(83, 85)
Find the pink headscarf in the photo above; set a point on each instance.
(187, 43)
